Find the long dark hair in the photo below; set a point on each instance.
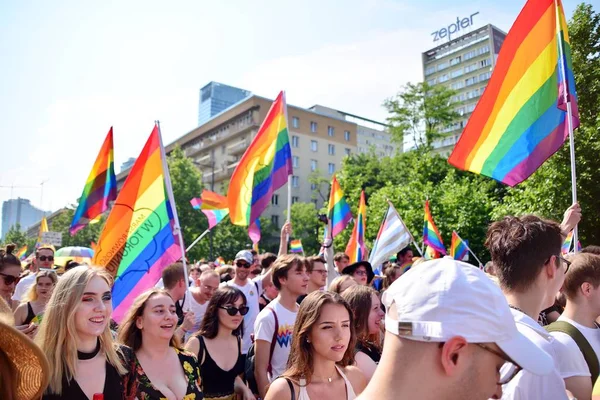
(300, 362)
(209, 327)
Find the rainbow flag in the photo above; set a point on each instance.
(264, 167)
(520, 120)
(458, 248)
(213, 205)
(21, 253)
(406, 267)
(100, 188)
(431, 235)
(356, 245)
(296, 246)
(219, 261)
(566, 246)
(139, 239)
(431, 253)
(339, 211)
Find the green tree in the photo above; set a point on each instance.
(84, 237)
(421, 111)
(19, 238)
(320, 184)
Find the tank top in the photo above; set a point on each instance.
(217, 383)
(30, 314)
(350, 395)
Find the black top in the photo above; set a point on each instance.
(216, 383)
(115, 386)
(300, 298)
(370, 350)
(30, 314)
(179, 311)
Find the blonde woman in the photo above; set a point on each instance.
(162, 370)
(34, 304)
(342, 283)
(76, 339)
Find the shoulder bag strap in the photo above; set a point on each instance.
(273, 341)
(291, 385)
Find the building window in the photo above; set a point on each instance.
(443, 66)
(347, 136)
(275, 221)
(295, 122)
(223, 149)
(313, 165)
(295, 161)
(431, 82)
(331, 168)
(430, 70)
(275, 200)
(455, 60)
(314, 146)
(485, 63)
(295, 181)
(347, 150)
(443, 78)
(330, 130)
(331, 149)
(294, 141)
(294, 199)
(313, 126)
(456, 73)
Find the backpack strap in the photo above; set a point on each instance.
(270, 367)
(584, 346)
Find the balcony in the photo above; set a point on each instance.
(238, 148)
(212, 140)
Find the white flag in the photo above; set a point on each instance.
(393, 236)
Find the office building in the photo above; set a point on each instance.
(464, 64)
(319, 142)
(217, 97)
(19, 211)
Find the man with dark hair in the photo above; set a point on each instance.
(174, 283)
(577, 335)
(526, 253)
(290, 278)
(404, 256)
(317, 275)
(44, 258)
(266, 260)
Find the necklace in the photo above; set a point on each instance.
(88, 356)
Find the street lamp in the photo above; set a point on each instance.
(212, 189)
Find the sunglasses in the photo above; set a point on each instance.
(231, 310)
(46, 258)
(242, 264)
(10, 279)
(360, 272)
(255, 272)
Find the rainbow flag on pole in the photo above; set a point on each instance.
(338, 211)
(100, 188)
(431, 235)
(356, 245)
(21, 253)
(296, 246)
(521, 119)
(568, 244)
(213, 205)
(264, 167)
(458, 248)
(139, 238)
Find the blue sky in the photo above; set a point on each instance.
(72, 69)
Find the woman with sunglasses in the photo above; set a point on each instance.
(34, 304)
(218, 346)
(10, 272)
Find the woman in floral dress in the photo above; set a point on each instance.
(161, 369)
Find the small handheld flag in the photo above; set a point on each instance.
(431, 235)
(458, 248)
(21, 254)
(356, 245)
(296, 246)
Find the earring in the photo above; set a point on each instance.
(307, 340)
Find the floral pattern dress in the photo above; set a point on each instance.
(191, 370)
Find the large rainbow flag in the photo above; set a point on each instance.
(100, 187)
(458, 248)
(138, 239)
(21, 254)
(213, 205)
(356, 245)
(264, 167)
(338, 211)
(520, 120)
(431, 235)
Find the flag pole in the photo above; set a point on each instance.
(169, 190)
(567, 100)
(407, 230)
(197, 240)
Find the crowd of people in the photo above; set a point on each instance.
(290, 327)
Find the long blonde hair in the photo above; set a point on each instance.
(57, 336)
(32, 294)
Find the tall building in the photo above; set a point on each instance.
(464, 64)
(217, 97)
(19, 211)
(319, 142)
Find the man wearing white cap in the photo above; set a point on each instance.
(450, 335)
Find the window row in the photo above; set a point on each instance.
(314, 127)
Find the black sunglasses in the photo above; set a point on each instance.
(10, 279)
(243, 264)
(231, 310)
(44, 258)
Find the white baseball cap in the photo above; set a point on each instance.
(444, 298)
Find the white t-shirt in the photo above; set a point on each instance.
(527, 386)
(570, 358)
(252, 294)
(23, 286)
(198, 309)
(263, 330)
